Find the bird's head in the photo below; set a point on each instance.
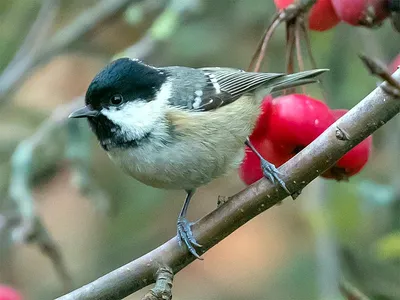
(124, 102)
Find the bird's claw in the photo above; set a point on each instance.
(185, 235)
(272, 173)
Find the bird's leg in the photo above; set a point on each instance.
(184, 230)
(269, 170)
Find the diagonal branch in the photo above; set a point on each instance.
(371, 113)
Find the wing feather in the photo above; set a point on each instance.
(221, 86)
(225, 85)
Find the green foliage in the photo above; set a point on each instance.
(388, 247)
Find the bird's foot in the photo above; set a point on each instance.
(185, 235)
(272, 173)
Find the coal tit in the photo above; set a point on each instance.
(179, 127)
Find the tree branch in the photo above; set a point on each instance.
(371, 113)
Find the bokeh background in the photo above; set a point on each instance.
(100, 218)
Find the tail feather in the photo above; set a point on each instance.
(296, 79)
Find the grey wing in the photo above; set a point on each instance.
(225, 85)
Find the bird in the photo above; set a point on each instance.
(178, 127)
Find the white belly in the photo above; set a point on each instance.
(208, 146)
(176, 167)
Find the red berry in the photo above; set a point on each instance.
(354, 160)
(356, 12)
(260, 128)
(281, 4)
(296, 120)
(322, 15)
(395, 64)
(250, 168)
(8, 293)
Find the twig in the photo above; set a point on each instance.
(288, 14)
(297, 33)
(303, 31)
(379, 69)
(299, 56)
(66, 37)
(307, 40)
(259, 55)
(162, 289)
(290, 38)
(371, 113)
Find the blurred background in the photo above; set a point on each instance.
(62, 198)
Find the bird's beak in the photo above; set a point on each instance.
(84, 112)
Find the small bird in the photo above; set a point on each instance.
(179, 127)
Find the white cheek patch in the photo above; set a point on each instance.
(138, 117)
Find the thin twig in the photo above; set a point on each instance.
(289, 14)
(362, 120)
(163, 287)
(305, 34)
(290, 45)
(289, 48)
(379, 69)
(297, 35)
(299, 56)
(306, 37)
(259, 54)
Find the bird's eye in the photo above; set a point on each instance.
(116, 100)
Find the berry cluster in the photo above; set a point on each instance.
(326, 14)
(289, 123)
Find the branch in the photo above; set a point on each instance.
(366, 117)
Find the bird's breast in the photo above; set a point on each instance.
(176, 167)
(202, 147)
